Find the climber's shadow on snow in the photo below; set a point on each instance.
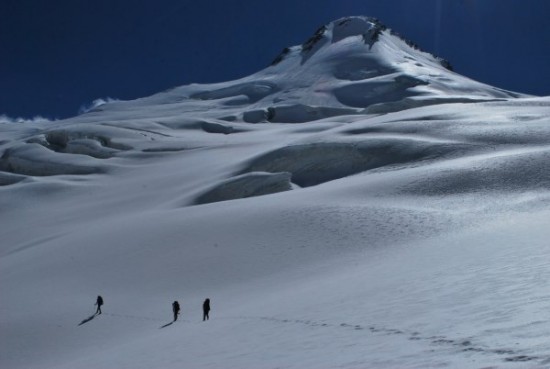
(167, 324)
(87, 319)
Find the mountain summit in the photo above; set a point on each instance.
(368, 29)
(353, 65)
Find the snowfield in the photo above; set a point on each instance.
(354, 205)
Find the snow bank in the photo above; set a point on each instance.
(10, 178)
(315, 163)
(303, 113)
(213, 127)
(254, 91)
(364, 94)
(360, 67)
(246, 185)
(36, 160)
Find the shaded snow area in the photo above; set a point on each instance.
(354, 205)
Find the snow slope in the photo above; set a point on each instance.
(356, 204)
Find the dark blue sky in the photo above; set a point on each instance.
(56, 55)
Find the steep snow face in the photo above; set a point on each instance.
(403, 224)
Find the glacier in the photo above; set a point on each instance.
(355, 204)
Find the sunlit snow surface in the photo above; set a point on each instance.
(356, 205)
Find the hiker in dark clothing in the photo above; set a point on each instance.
(176, 309)
(205, 309)
(99, 302)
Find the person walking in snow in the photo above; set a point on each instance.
(175, 309)
(99, 302)
(205, 309)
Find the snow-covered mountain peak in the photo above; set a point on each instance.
(353, 26)
(353, 65)
(360, 33)
(364, 27)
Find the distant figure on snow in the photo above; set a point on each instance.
(176, 309)
(99, 302)
(205, 309)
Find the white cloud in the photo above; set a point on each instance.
(94, 104)
(36, 119)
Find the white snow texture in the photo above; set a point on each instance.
(354, 205)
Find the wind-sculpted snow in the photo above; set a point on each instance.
(360, 67)
(77, 143)
(73, 149)
(412, 102)
(35, 160)
(515, 170)
(10, 178)
(247, 185)
(362, 95)
(315, 163)
(253, 91)
(303, 113)
(401, 221)
(522, 122)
